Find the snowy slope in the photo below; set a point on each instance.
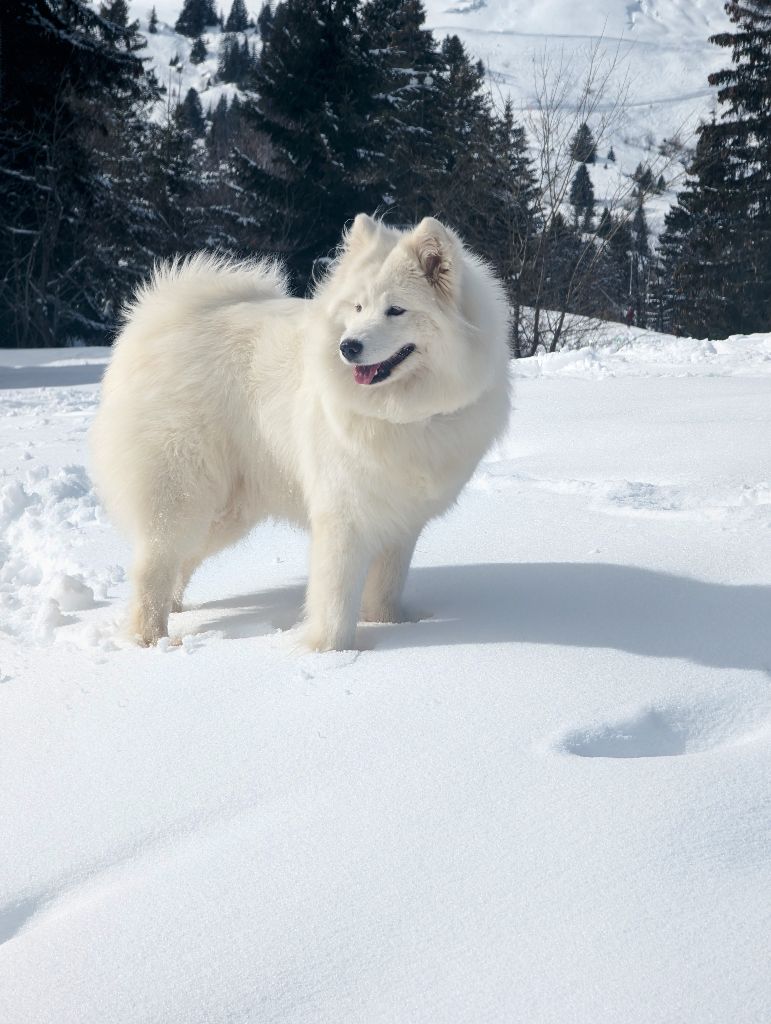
(547, 802)
(165, 46)
(660, 47)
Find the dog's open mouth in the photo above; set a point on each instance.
(378, 372)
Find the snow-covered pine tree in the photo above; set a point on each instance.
(238, 18)
(583, 148)
(702, 289)
(123, 238)
(152, 24)
(581, 197)
(465, 141)
(605, 225)
(643, 175)
(744, 132)
(640, 259)
(190, 114)
(72, 91)
(316, 83)
(511, 216)
(219, 134)
(716, 247)
(236, 61)
(198, 51)
(195, 17)
(265, 20)
(407, 60)
(558, 256)
(615, 275)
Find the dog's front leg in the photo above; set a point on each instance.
(382, 600)
(339, 560)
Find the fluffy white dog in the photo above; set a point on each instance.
(359, 413)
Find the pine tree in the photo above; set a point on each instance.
(744, 130)
(316, 82)
(152, 25)
(236, 61)
(265, 20)
(643, 175)
(716, 247)
(198, 51)
(465, 141)
(407, 63)
(560, 253)
(69, 125)
(511, 216)
(605, 226)
(640, 259)
(583, 148)
(611, 155)
(581, 196)
(616, 268)
(190, 114)
(173, 188)
(238, 19)
(219, 134)
(702, 294)
(195, 17)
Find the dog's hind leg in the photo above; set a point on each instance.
(183, 578)
(382, 598)
(155, 574)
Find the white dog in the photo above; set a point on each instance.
(359, 413)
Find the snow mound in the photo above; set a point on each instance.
(44, 522)
(672, 731)
(616, 351)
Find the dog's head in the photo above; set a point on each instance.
(409, 332)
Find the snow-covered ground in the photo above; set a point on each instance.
(547, 802)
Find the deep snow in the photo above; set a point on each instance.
(548, 802)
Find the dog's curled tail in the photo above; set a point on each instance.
(190, 286)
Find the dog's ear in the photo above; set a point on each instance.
(363, 228)
(435, 250)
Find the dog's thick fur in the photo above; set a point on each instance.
(226, 402)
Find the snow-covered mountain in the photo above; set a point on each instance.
(660, 48)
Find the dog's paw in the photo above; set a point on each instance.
(321, 639)
(145, 634)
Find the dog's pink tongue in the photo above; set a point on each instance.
(365, 374)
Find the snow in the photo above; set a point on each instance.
(548, 801)
(659, 50)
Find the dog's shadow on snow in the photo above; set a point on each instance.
(254, 614)
(565, 604)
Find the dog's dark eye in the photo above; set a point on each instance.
(395, 311)
(357, 307)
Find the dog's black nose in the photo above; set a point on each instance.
(350, 348)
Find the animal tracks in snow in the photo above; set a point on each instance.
(671, 730)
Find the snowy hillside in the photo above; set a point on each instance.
(547, 801)
(166, 46)
(660, 48)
